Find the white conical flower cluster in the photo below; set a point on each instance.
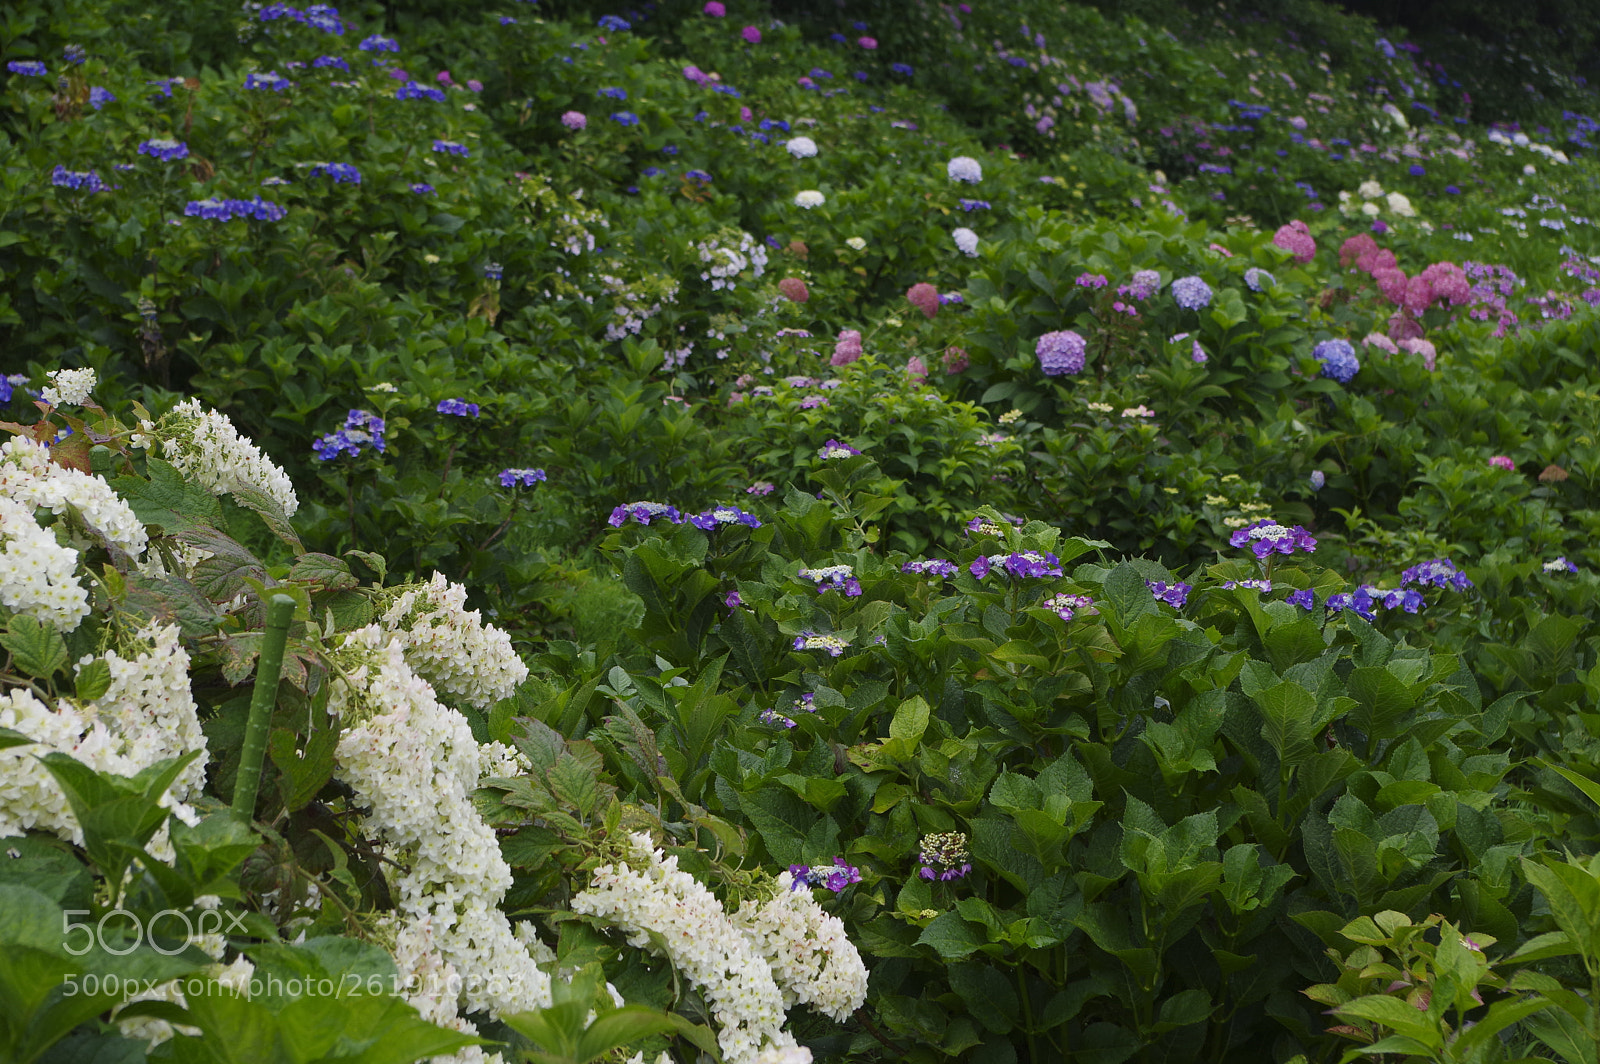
(203, 446)
(29, 477)
(450, 646)
(38, 576)
(811, 957)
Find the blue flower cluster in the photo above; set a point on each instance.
(723, 515)
(527, 478)
(342, 173)
(1338, 360)
(613, 23)
(223, 210)
(99, 97)
(378, 43)
(457, 408)
(612, 92)
(450, 147)
(1023, 565)
(1061, 352)
(269, 79)
(1191, 293)
(27, 67)
(833, 578)
(836, 878)
(83, 180)
(1439, 572)
(1366, 600)
(1174, 595)
(422, 188)
(1067, 606)
(361, 430)
(931, 567)
(625, 118)
(415, 90)
(900, 68)
(974, 205)
(164, 148)
(644, 513)
(835, 449)
(323, 62)
(317, 16)
(1266, 537)
(493, 271)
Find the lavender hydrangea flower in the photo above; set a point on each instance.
(1305, 598)
(931, 567)
(835, 449)
(1338, 360)
(1067, 606)
(330, 62)
(1318, 478)
(833, 578)
(457, 408)
(835, 877)
(1022, 565)
(1174, 595)
(1258, 279)
(809, 640)
(1266, 537)
(943, 856)
(1438, 572)
(1143, 285)
(415, 90)
(527, 478)
(99, 97)
(165, 149)
(643, 513)
(718, 516)
(1191, 293)
(613, 23)
(422, 188)
(1061, 352)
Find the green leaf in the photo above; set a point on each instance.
(950, 937)
(35, 649)
(1396, 1014)
(167, 500)
(93, 680)
(621, 1027)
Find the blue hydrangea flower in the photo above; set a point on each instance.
(457, 408)
(1061, 352)
(527, 478)
(723, 515)
(269, 79)
(1067, 606)
(835, 449)
(898, 68)
(450, 147)
(1560, 565)
(493, 271)
(1258, 279)
(99, 97)
(974, 205)
(324, 62)
(164, 148)
(27, 68)
(698, 175)
(612, 93)
(1191, 293)
(1304, 598)
(415, 90)
(644, 513)
(625, 118)
(341, 173)
(1030, 564)
(809, 640)
(1338, 360)
(613, 23)
(74, 54)
(361, 430)
(835, 877)
(378, 43)
(324, 18)
(80, 180)
(1174, 595)
(1266, 537)
(222, 210)
(422, 188)
(1318, 479)
(931, 567)
(1439, 572)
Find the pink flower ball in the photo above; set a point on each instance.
(1296, 239)
(443, 78)
(1419, 293)
(751, 34)
(1501, 461)
(847, 349)
(714, 9)
(695, 74)
(955, 360)
(925, 298)
(745, 114)
(867, 42)
(1357, 246)
(474, 84)
(574, 120)
(1421, 347)
(794, 289)
(917, 369)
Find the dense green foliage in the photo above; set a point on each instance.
(1203, 825)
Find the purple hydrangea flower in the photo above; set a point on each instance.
(1258, 279)
(1067, 606)
(625, 118)
(835, 877)
(1305, 598)
(335, 62)
(81, 180)
(613, 23)
(718, 516)
(644, 513)
(341, 173)
(415, 90)
(27, 68)
(1439, 572)
(1191, 293)
(223, 210)
(1266, 537)
(1061, 352)
(835, 449)
(99, 97)
(457, 408)
(1174, 595)
(809, 640)
(422, 188)
(1318, 479)
(450, 147)
(270, 80)
(527, 478)
(164, 148)
(361, 430)
(931, 567)
(1560, 565)
(377, 43)
(1338, 360)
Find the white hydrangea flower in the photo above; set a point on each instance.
(146, 715)
(808, 199)
(812, 959)
(28, 476)
(415, 764)
(965, 168)
(857, 243)
(801, 147)
(701, 941)
(1369, 189)
(967, 241)
(450, 646)
(1400, 205)
(38, 576)
(69, 387)
(204, 447)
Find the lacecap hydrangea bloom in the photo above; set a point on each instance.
(527, 478)
(1032, 565)
(943, 856)
(1438, 572)
(1560, 565)
(644, 512)
(809, 640)
(1338, 360)
(1266, 537)
(1061, 352)
(835, 449)
(724, 515)
(965, 168)
(1174, 595)
(1066, 606)
(833, 578)
(931, 567)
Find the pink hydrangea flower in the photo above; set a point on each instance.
(443, 78)
(847, 349)
(867, 42)
(794, 289)
(1421, 347)
(474, 84)
(695, 74)
(1296, 239)
(955, 360)
(745, 114)
(715, 9)
(1381, 342)
(1449, 283)
(574, 120)
(917, 369)
(751, 34)
(1501, 461)
(925, 298)
(1352, 250)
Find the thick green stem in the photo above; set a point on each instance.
(280, 611)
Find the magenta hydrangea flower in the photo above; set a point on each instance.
(1296, 239)
(714, 9)
(751, 34)
(925, 297)
(847, 349)
(1061, 352)
(1501, 461)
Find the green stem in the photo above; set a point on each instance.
(280, 611)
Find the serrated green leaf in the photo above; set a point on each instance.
(35, 649)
